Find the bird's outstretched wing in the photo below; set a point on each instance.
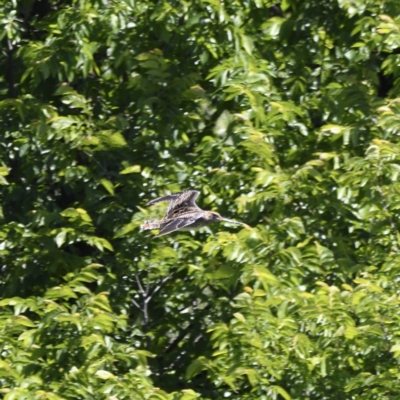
(178, 200)
(179, 223)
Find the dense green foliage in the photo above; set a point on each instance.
(285, 115)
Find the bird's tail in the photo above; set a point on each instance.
(150, 225)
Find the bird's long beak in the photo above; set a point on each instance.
(231, 221)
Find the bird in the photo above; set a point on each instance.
(183, 214)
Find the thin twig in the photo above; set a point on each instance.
(136, 304)
(142, 291)
(160, 285)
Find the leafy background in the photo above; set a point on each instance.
(286, 115)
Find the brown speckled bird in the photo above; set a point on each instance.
(183, 214)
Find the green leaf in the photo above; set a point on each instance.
(103, 374)
(126, 229)
(131, 170)
(195, 368)
(282, 392)
(24, 321)
(60, 292)
(4, 171)
(61, 238)
(108, 186)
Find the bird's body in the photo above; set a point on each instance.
(183, 214)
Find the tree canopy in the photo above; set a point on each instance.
(284, 115)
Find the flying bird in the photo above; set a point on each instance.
(183, 214)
